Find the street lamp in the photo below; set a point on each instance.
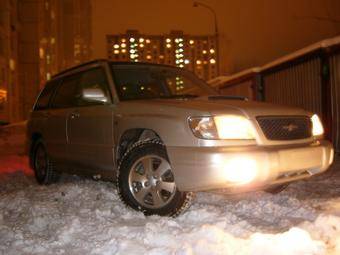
(200, 4)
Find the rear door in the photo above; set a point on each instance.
(90, 124)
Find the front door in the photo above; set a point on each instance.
(90, 124)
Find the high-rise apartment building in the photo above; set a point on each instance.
(196, 53)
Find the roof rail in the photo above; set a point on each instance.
(77, 66)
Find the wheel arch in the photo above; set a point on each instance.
(132, 136)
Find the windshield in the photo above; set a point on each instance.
(152, 81)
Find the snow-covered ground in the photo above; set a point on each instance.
(80, 216)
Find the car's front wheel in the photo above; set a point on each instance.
(146, 182)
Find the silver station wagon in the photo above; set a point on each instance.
(161, 134)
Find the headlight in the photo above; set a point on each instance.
(203, 127)
(222, 127)
(317, 126)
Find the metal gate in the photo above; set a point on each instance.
(334, 62)
(296, 85)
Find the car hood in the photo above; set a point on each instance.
(207, 105)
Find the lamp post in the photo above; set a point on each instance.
(200, 4)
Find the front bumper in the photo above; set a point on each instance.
(207, 168)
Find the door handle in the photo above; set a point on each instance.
(75, 115)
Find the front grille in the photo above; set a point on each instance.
(285, 127)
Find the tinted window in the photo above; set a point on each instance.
(66, 93)
(45, 95)
(94, 81)
(155, 81)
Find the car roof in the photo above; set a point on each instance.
(97, 61)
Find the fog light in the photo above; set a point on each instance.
(240, 170)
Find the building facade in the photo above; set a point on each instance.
(38, 38)
(195, 53)
(9, 90)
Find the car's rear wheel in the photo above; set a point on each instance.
(43, 167)
(146, 181)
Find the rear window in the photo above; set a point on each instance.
(44, 97)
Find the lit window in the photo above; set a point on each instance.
(212, 61)
(147, 41)
(12, 64)
(123, 45)
(198, 62)
(204, 52)
(141, 40)
(132, 39)
(212, 51)
(116, 52)
(168, 45)
(191, 42)
(168, 40)
(187, 61)
(141, 45)
(148, 57)
(41, 53)
(116, 46)
(123, 40)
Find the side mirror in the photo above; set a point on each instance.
(94, 95)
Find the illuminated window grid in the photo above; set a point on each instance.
(195, 53)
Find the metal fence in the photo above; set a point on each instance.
(334, 79)
(297, 85)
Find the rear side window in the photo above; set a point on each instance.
(44, 97)
(66, 94)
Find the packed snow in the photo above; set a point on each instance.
(82, 216)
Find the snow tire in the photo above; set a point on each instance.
(179, 202)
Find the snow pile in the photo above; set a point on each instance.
(78, 216)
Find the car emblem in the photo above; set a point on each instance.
(290, 127)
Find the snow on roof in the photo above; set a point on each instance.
(319, 45)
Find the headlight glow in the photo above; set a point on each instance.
(234, 127)
(240, 170)
(222, 127)
(317, 125)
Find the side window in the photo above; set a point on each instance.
(45, 95)
(94, 88)
(66, 93)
